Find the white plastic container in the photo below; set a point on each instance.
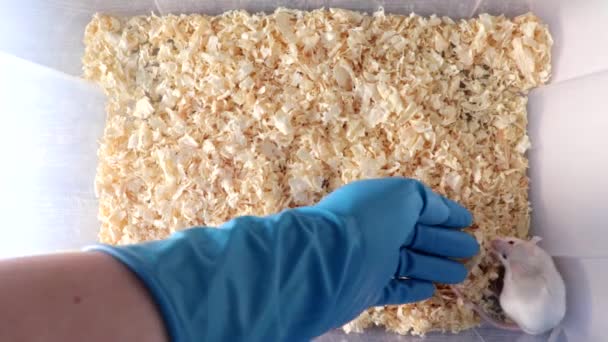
(52, 121)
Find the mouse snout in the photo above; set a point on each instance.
(500, 246)
(495, 244)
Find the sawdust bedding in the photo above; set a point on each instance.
(210, 117)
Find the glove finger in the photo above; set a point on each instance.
(430, 268)
(439, 210)
(459, 216)
(444, 242)
(434, 211)
(403, 291)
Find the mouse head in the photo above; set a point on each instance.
(516, 254)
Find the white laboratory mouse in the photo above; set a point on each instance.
(533, 294)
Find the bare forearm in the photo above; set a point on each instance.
(75, 297)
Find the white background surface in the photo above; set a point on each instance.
(52, 121)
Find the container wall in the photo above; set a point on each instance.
(568, 126)
(48, 147)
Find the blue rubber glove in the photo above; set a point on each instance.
(294, 275)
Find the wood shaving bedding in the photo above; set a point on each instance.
(214, 117)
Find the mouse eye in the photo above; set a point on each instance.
(511, 242)
(504, 256)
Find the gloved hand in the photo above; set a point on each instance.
(294, 275)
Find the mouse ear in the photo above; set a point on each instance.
(536, 239)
